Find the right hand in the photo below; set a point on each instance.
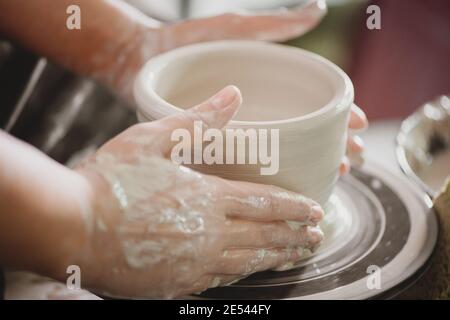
(154, 37)
(159, 230)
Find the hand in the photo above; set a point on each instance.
(355, 145)
(275, 25)
(161, 230)
(154, 37)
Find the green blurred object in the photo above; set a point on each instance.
(334, 36)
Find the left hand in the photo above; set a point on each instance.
(160, 230)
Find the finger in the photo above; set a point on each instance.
(274, 25)
(225, 279)
(356, 160)
(358, 119)
(208, 281)
(355, 149)
(259, 202)
(248, 261)
(216, 112)
(254, 234)
(355, 145)
(344, 168)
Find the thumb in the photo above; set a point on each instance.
(215, 112)
(218, 110)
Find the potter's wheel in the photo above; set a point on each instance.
(376, 218)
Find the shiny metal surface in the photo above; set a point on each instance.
(61, 114)
(29, 88)
(423, 137)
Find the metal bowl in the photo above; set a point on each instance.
(423, 145)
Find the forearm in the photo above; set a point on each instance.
(105, 47)
(41, 210)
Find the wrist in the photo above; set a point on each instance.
(100, 234)
(68, 224)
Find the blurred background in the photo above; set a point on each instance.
(394, 70)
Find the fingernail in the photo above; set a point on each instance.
(225, 97)
(359, 142)
(322, 4)
(344, 168)
(312, 5)
(362, 116)
(315, 239)
(316, 214)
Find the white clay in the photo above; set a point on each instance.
(303, 95)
